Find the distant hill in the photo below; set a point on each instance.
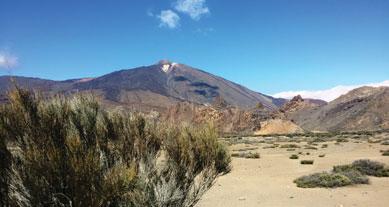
(365, 108)
(158, 87)
(182, 93)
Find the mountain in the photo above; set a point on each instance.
(158, 87)
(365, 108)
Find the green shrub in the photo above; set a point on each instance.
(385, 153)
(74, 153)
(307, 162)
(323, 180)
(294, 157)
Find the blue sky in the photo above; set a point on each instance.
(267, 45)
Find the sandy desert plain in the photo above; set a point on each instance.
(268, 180)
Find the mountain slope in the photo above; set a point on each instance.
(365, 108)
(157, 86)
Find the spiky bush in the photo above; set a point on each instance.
(71, 152)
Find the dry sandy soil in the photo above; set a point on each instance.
(268, 181)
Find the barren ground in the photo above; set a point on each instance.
(268, 181)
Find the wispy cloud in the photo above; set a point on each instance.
(7, 60)
(329, 94)
(194, 8)
(150, 13)
(205, 31)
(169, 19)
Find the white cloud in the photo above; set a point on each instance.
(194, 8)
(7, 60)
(329, 94)
(169, 19)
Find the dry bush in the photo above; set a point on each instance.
(71, 152)
(307, 162)
(290, 146)
(247, 155)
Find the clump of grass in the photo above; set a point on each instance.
(247, 155)
(271, 146)
(254, 155)
(324, 146)
(318, 140)
(294, 157)
(340, 140)
(289, 146)
(307, 162)
(290, 149)
(310, 148)
(385, 153)
(245, 149)
(322, 155)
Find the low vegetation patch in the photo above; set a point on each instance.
(385, 153)
(340, 140)
(371, 168)
(322, 155)
(323, 180)
(385, 142)
(290, 146)
(294, 157)
(271, 146)
(245, 149)
(310, 148)
(342, 175)
(307, 162)
(247, 155)
(324, 146)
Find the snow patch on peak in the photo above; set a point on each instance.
(165, 68)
